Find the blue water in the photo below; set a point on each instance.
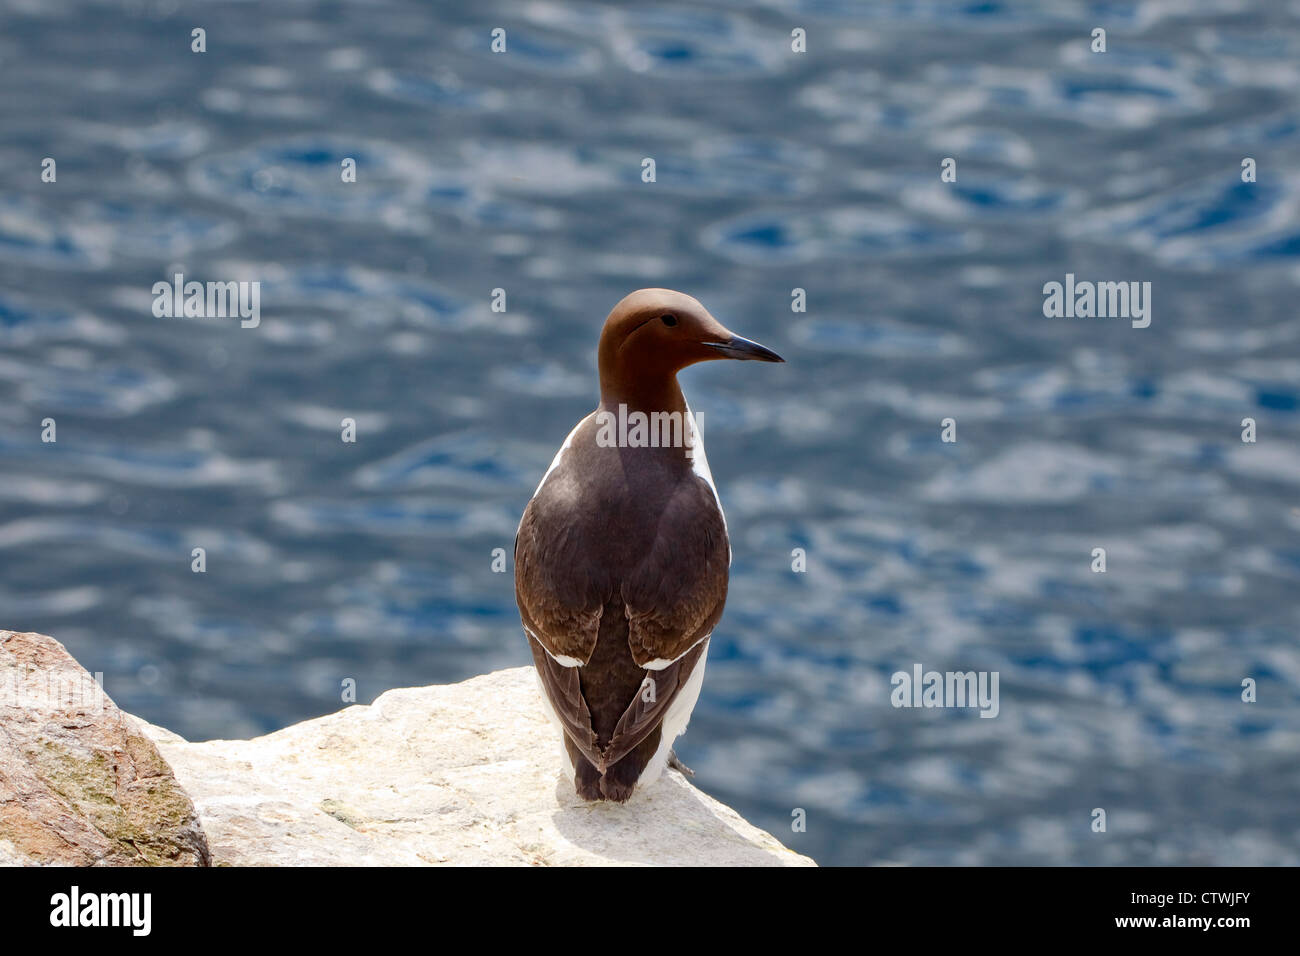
(775, 170)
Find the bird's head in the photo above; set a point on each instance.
(655, 333)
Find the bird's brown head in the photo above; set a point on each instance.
(653, 334)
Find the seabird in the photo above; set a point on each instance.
(621, 557)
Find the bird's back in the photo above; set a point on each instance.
(621, 564)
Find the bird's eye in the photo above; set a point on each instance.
(668, 319)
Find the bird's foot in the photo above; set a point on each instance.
(677, 765)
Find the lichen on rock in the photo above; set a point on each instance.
(80, 785)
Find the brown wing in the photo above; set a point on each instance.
(565, 694)
(559, 605)
(675, 596)
(673, 600)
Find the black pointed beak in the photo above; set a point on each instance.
(745, 350)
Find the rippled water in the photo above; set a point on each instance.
(774, 171)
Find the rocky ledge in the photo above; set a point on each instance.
(459, 774)
(80, 785)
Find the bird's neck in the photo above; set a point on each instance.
(648, 394)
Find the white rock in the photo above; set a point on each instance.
(463, 774)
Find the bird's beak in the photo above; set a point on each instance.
(745, 350)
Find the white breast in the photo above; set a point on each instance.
(700, 465)
(675, 720)
(555, 462)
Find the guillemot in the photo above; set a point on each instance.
(622, 555)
